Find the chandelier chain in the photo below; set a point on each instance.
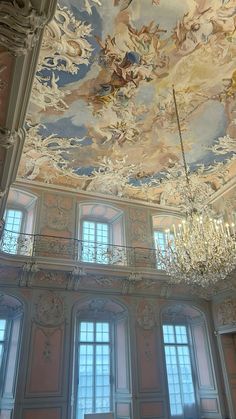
(181, 138)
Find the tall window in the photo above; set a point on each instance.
(160, 239)
(94, 359)
(10, 329)
(13, 225)
(95, 240)
(179, 371)
(3, 341)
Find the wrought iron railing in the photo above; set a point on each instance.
(37, 245)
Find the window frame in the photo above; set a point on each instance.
(90, 317)
(96, 221)
(159, 264)
(6, 349)
(182, 322)
(22, 226)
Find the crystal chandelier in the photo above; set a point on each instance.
(201, 250)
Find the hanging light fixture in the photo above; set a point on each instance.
(201, 250)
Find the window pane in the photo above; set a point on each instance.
(179, 371)
(181, 334)
(94, 392)
(86, 332)
(13, 222)
(85, 387)
(168, 332)
(95, 238)
(102, 332)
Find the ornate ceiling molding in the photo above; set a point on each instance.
(20, 25)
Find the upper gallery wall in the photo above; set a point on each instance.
(102, 117)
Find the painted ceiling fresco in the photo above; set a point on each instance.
(102, 115)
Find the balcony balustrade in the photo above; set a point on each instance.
(74, 250)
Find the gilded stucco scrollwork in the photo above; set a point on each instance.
(49, 310)
(226, 312)
(20, 25)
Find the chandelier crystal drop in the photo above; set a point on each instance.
(201, 250)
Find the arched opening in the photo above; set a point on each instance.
(189, 364)
(101, 357)
(101, 232)
(19, 223)
(11, 312)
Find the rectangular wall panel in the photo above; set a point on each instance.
(48, 413)
(151, 410)
(46, 361)
(148, 361)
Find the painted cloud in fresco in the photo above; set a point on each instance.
(103, 94)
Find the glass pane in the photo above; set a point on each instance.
(86, 332)
(86, 382)
(94, 391)
(102, 332)
(13, 221)
(179, 372)
(102, 384)
(95, 238)
(168, 332)
(181, 334)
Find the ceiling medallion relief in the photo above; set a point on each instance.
(26, 21)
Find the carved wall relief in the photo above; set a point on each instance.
(57, 213)
(49, 310)
(226, 312)
(145, 315)
(139, 236)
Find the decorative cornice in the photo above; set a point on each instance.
(8, 137)
(20, 25)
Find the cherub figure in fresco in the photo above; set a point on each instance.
(137, 63)
(197, 29)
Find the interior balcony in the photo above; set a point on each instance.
(66, 252)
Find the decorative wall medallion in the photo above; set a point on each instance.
(145, 315)
(50, 309)
(226, 312)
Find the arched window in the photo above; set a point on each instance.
(101, 366)
(189, 367)
(19, 223)
(11, 311)
(101, 232)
